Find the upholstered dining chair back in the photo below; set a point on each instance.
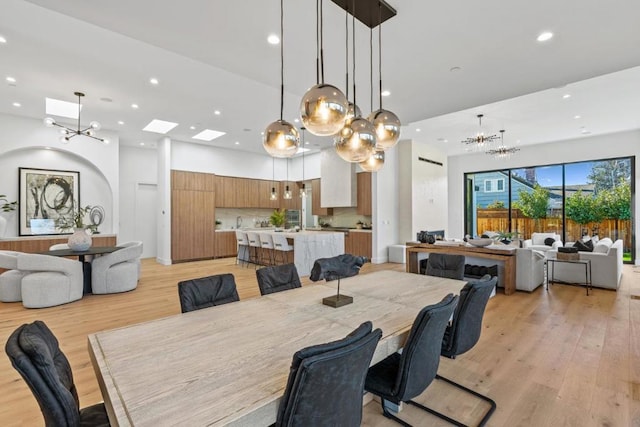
(118, 271)
(401, 377)
(446, 265)
(326, 381)
(34, 352)
(278, 278)
(210, 291)
(51, 280)
(465, 328)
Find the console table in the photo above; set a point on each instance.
(506, 255)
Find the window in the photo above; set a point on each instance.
(493, 185)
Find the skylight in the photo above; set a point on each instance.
(55, 107)
(159, 126)
(208, 135)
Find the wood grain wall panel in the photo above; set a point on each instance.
(316, 209)
(364, 194)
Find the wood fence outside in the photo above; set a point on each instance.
(498, 220)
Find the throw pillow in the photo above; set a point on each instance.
(549, 241)
(583, 246)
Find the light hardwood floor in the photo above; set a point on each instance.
(555, 358)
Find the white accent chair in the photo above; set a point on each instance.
(51, 280)
(529, 269)
(11, 280)
(537, 241)
(118, 271)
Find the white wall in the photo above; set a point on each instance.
(24, 143)
(597, 147)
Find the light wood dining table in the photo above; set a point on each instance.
(228, 365)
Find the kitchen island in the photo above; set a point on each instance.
(308, 246)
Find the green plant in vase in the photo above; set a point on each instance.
(6, 205)
(74, 220)
(277, 218)
(505, 236)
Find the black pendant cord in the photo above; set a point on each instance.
(321, 43)
(371, 67)
(346, 50)
(317, 41)
(353, 52)
(79, 109)
(273, 174)
(281, 58)
(380, 51)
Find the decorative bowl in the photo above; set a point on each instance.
(480, 242)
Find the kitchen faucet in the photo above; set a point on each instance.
(238, 222)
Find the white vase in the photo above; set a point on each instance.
(80, 240)
(3, 226)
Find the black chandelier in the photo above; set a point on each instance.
(502, 152)
(480, 139)
(68, 133)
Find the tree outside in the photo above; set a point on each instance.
(583, 209)
(608, 174)
(533, 204)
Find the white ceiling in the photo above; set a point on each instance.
(213, 55)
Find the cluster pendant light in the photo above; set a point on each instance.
(281, 138)
(356, 140)
(68, 133)
(324, 107)
(502, 152)
(480, 139)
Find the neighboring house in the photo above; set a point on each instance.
(493, 187)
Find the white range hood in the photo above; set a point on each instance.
(338, 183)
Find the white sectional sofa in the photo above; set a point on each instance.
(606, 265)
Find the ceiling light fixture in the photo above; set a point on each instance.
(357, 139)
(120, 122)
(154, 81)
(281, 138)
(68, 133)
(3, 40)
(10, 79)
(217, 112)
(323, 109)
(566, 96)
(17, 104)
(208, 135)
(274, 193)
(159, 126)
(273, 39)
(386, 123)
(303, 189)
(545, 36)
(503, 152)
(480, 139)
(135, 106)
(287, 192)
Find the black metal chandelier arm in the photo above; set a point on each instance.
(94, 137)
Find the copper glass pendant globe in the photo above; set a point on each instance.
(323, 109)
(356, 141)
(374, 163)
(352, 111)
(387, 126)
(281, 139)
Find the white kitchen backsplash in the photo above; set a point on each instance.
(245, 217)
(344, 217)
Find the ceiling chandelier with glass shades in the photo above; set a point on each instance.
(502, 152)
(67, 133)
(480, 139)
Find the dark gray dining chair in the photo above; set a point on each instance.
(445, 265)
(278, 278)
(209, 291)
(35, 354)
(402, 376)
(326, 381)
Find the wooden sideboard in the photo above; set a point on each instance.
(506, 255)
(37, 244)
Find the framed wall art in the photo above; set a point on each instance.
(46, 195)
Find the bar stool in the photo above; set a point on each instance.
(267, 248)
(282, 246)
(254, 246)
(243, 247)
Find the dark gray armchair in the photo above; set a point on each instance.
(35, 354)
(326, 382)
(207, 292)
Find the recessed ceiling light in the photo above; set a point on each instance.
(17, 104)
(208, 135)
(120, 122)
(385, 93)
(56, 107)
(273, 39)
(159, 126)
(307, 143)
(237, 143)
(418, 130)
(153, 81)
(217, 112)
(2, 40)
(192, 127)
(577, 117)
(142, 144)
(585, 132)
(296, 120)
(106, 141)
(566, 96)
(135, 106)
(543, 37)
(10, 79)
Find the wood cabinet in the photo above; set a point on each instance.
(358, 243)
(232, 192)
(364, 194)
(192, 215)
(225, 244)
(315, 200)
